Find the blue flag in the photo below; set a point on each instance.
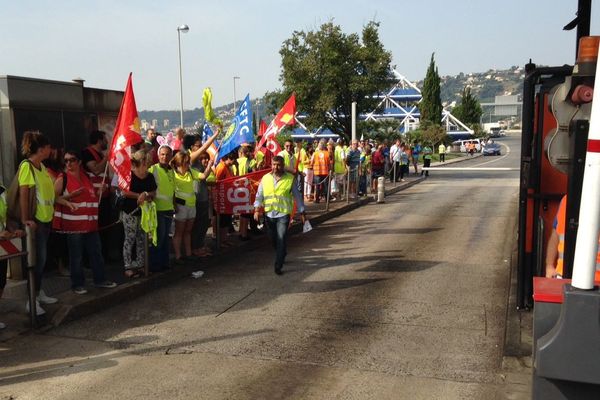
(239, 132)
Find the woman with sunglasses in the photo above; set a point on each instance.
(185, 203)
(76, 216)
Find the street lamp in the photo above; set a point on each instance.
(182, 28)
(234, 99)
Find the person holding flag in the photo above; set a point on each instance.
(274, 198)
(285, 117)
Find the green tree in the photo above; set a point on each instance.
(430, 106)
(468, 111)
(329, 70)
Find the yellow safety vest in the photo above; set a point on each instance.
(339, 162)
(165, 182)
(44, 189)
(148, 221)
(3, 208)
(286, 158)
(278, 198)
(242, 166)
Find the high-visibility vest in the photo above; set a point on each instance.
(165, 187)
(99, 178)
(243, 166)
(442, 149)
(3, 208)
(184, 186)
(321, 162)
(44, 190)
(339, 160)
(287, 158)
(278, 197)
(561, 217)
(85, 218)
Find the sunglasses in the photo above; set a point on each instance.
(71, 160)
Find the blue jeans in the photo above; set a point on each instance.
(42, 233)
(278, 229)
(159, 254)
(89, 242)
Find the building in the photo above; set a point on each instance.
(66, 112)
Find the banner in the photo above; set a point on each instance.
(239, 132)
(127, 133)
(236, 195)
(207, 133)
(209, 114)
(284, 117)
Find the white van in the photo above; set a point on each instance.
(463, 147)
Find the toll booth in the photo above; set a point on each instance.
(66, 112)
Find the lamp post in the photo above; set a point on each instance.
(182, 28)
(234, 99)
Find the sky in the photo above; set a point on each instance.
(102, 41)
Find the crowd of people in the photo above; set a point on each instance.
(70, 203)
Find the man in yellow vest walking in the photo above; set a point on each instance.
(275, 198)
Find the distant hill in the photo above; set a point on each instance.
(484, 85)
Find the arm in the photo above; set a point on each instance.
(63, 199)
(97, 167)
(26, 219)
(258, 202)
(552, 255)
(207, 171)
(195, 154)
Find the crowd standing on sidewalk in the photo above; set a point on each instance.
(67, 194)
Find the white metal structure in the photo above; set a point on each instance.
(401, 101)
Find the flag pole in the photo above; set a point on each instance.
(103, 181)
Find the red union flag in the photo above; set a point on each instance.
(236, 195)
(127, 133)
(284, 117)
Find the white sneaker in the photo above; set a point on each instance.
(38, 309)
(2, 326)
(42, 298)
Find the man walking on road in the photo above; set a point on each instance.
(276, 194)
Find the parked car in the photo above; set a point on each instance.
(491, 149)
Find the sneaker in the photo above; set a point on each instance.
(44, 299)
(38, 309)
(79, 290)
(2, 325)
(106, 285)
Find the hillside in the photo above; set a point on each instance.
(485, 85)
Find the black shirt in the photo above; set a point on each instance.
(138, 186)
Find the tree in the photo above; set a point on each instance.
(329, 69)
(469, 110)
(430, 106)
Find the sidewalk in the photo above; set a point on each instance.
(72, 306)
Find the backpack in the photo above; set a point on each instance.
(378, 160)
(13, 197)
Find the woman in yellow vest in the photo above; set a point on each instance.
(185, 203)
(165, 208)
(32, 176)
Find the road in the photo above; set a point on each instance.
(403, 300)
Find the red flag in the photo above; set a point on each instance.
(127, 133)
(262, 128)
(236, 195)
(284, 117)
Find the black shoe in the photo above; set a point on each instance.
(278, 270)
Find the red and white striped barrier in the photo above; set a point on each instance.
(11, 248)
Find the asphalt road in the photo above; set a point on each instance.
(404, 300)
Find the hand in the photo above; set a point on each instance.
(550, 271)
(6, 235)
(19, 233)
(142, 198)
(72, 206)
(77, 192)
(256, 215)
